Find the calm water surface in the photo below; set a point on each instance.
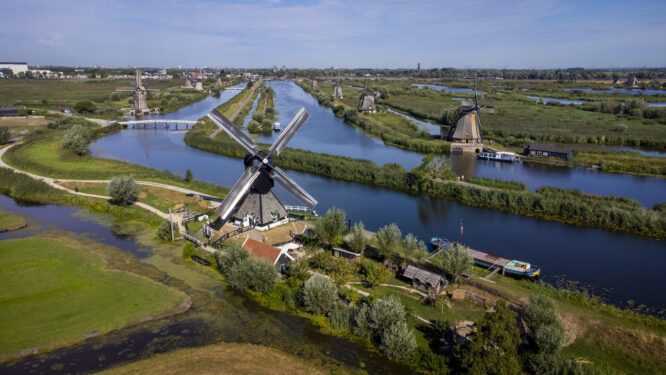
(448, 89)
(616, 90)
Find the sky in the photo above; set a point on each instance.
(309, 33)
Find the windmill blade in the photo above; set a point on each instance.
(289, 133)
(237, 192)
(235, 133)
(294, 188)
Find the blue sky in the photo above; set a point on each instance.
(384, 34)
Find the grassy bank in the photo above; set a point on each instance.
(59, 289)
(624, 162)
(219, 359)
(41, 154)
(10, 221)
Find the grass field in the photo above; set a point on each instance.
(57, 289)
(10, 221)
(43, 155)
(162, 199)
(220, 359)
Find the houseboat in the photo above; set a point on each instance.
(440, 243)
(503, 156)
(277, 127)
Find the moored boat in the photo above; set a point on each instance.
(503, 156)
(440, 243)
(277, 127)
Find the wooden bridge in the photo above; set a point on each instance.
(158, 123)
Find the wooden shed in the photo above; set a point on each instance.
(424, 280)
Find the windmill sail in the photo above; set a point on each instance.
(248, 144)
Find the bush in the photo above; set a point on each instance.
(455, 261)
(340, 317)
(398, 342)
(123, 190)
(319, 294)
(254, 127)
(373, 274)
(388, 239)
(331, 227)
(85, 106)
(164, 231)
(76, 139)
(188, 175)
(231, 257)
(357, 240)
(250, 274)
(188, 250)
(4, 134)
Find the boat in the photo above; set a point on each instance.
(503, 156)
(277, 127)
(522, 269)
(440, 243)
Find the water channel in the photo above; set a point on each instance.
(616, 266)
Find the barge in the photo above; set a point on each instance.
(506, 157)
(510, 267)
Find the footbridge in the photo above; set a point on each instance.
(158, 123)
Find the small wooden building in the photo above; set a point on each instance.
(344, 253)
(9, 111)
(424, 280)
(548, 151)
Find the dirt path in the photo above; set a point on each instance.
(55, 183)
(236, 111)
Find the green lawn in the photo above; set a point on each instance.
(57, 289)
(10, 221)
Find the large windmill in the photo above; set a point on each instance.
(251, 200)
(140, 93)
(467, 126)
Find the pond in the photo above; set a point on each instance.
(448, 89)
(617, 90)
(541, 100)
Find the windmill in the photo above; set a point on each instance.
(467, 126)
(337, 92)
(140, 92)
(251, 199)
(367, 101)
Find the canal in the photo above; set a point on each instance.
(613, 265)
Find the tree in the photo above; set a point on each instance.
(122, 189)
(493, 346)
(455, 261)
(85, 106)
(414, 248)
(388, 239)
(4, 134)
(188, 175)
(319, 294)
(357, 238)
(384, 313)
(76, 139)
(549, 336)
(164, 231)
(297, 272)
(373, 274)
(398, 342)
(251, 274)
(331, 227)
(231, 257)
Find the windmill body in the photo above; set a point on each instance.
(337, 92)
(465, 132)
(251, 202)
(140, 94)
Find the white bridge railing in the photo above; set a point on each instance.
(297, 208)
(160, 121)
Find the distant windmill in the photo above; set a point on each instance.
(337, 92)
(367, 101)
(140, 93)
(251, 199)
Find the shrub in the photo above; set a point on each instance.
(122, 189)
(455, 261)
(188, 175)
(188, 250)
(4, 134)
(388, 239)
(254, 127)
(250, 274)
(164, 231)
(357, 240)
(398, 342)
(319, 294)
(330, 227)
(414, 248)
(351, 115)
(373, 274)
(340, 317)
(76, 139)
(231, 257)
(85, 106)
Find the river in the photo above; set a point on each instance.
(613, 265)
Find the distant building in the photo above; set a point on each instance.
(548, 150)
(273, 255)
(632, 81)
(315, 85)
(337, 92)
(9, 111)
(15, 67)
(424, 280)
(367, 103)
